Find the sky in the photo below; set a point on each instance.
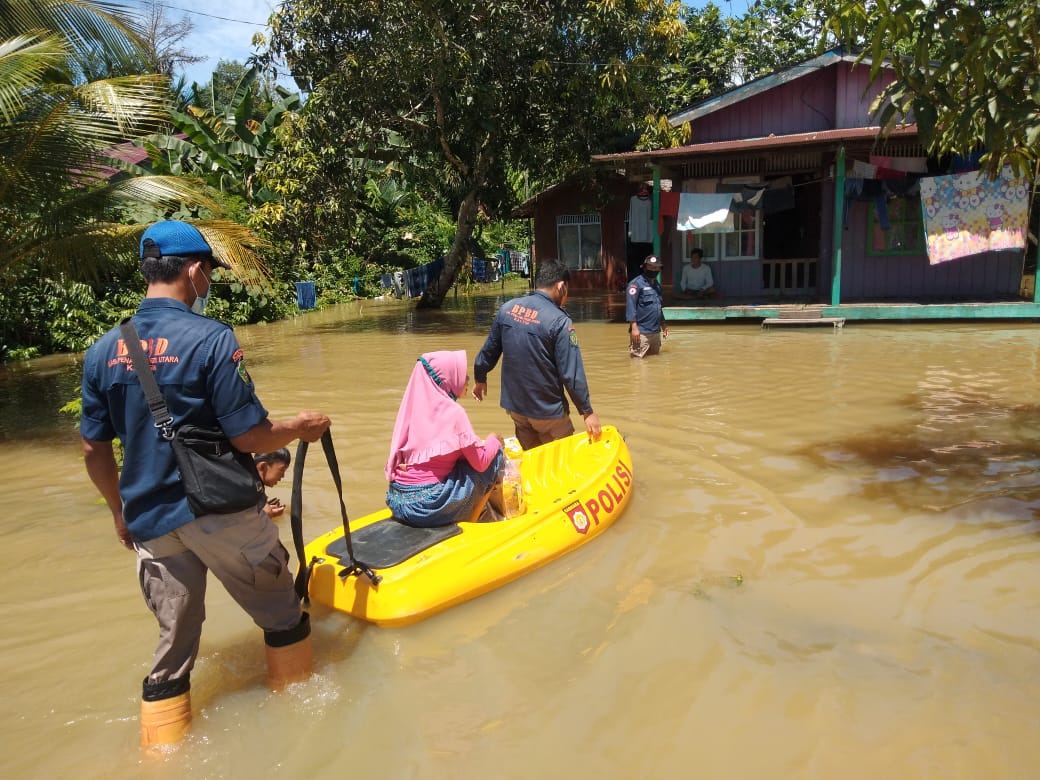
(223, 29)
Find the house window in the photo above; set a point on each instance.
(579, 242)
(741, 244)
(905, 235)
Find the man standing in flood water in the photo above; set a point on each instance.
(644, 311)
(202, 377)
(536, 340)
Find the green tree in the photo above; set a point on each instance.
(320, 188)
(968, 72)
(775, 34)
(474, 90)
(706, 62)
(223, 87)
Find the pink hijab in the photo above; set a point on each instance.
(430, 422)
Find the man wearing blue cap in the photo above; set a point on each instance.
(201, 374)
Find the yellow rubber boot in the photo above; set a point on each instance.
(289, 664)
(165, 722)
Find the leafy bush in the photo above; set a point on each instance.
(44, 315)
(236, 303)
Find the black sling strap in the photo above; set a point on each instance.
(139, 361)
(303, 574)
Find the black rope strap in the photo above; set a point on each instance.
(303, 573)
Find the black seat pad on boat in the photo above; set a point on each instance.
(389, 542)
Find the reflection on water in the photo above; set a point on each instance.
(32, 392)
(830, 567)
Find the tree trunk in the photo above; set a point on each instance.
(435, 293)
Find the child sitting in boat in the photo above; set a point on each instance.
(439, 471)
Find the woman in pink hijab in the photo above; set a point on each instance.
(439, 470)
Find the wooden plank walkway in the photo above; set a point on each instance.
(836, 322)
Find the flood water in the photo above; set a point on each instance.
(830, 567)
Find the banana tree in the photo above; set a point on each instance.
(224, 146)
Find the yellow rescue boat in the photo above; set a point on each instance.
(392, 574)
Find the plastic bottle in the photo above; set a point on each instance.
(513, 488)
(512, 447)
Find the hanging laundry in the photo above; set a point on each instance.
(778, 199)
(748, 199)
(867, 189)
(902, 164)
(432, 272)
(881, 172)
(640, 219)
(968, 213)
(669, 206)
(910, 187)
(705, 213)
(862, 170)
(417, 279)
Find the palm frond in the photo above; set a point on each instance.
(66, 128)
(111, 110)
(89, 25)
(165, 192)
(24, 60)
(238, 246)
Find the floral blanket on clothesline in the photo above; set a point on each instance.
(968, 213)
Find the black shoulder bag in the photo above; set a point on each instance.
(218, 479)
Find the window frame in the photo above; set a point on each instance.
(692, 238)
(579, 221)
(912, 216)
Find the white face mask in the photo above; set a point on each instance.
(199, 305)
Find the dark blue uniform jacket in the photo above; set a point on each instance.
(643, 302)
(540, 357)
(199, 369)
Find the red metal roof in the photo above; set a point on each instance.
(833, 138)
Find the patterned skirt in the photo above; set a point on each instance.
(442, 503)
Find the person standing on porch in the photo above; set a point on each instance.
(644, 311)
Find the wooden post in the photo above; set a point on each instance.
(839, 218)
(657, 211)
(1029, 207)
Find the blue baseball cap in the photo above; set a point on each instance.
(173, 237)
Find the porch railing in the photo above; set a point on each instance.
(785, 277)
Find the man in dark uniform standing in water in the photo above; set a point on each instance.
(644, 311)
(201, 374)
(538, 345)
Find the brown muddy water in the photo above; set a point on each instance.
(830, 568)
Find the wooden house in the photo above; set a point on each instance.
(804, 137)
